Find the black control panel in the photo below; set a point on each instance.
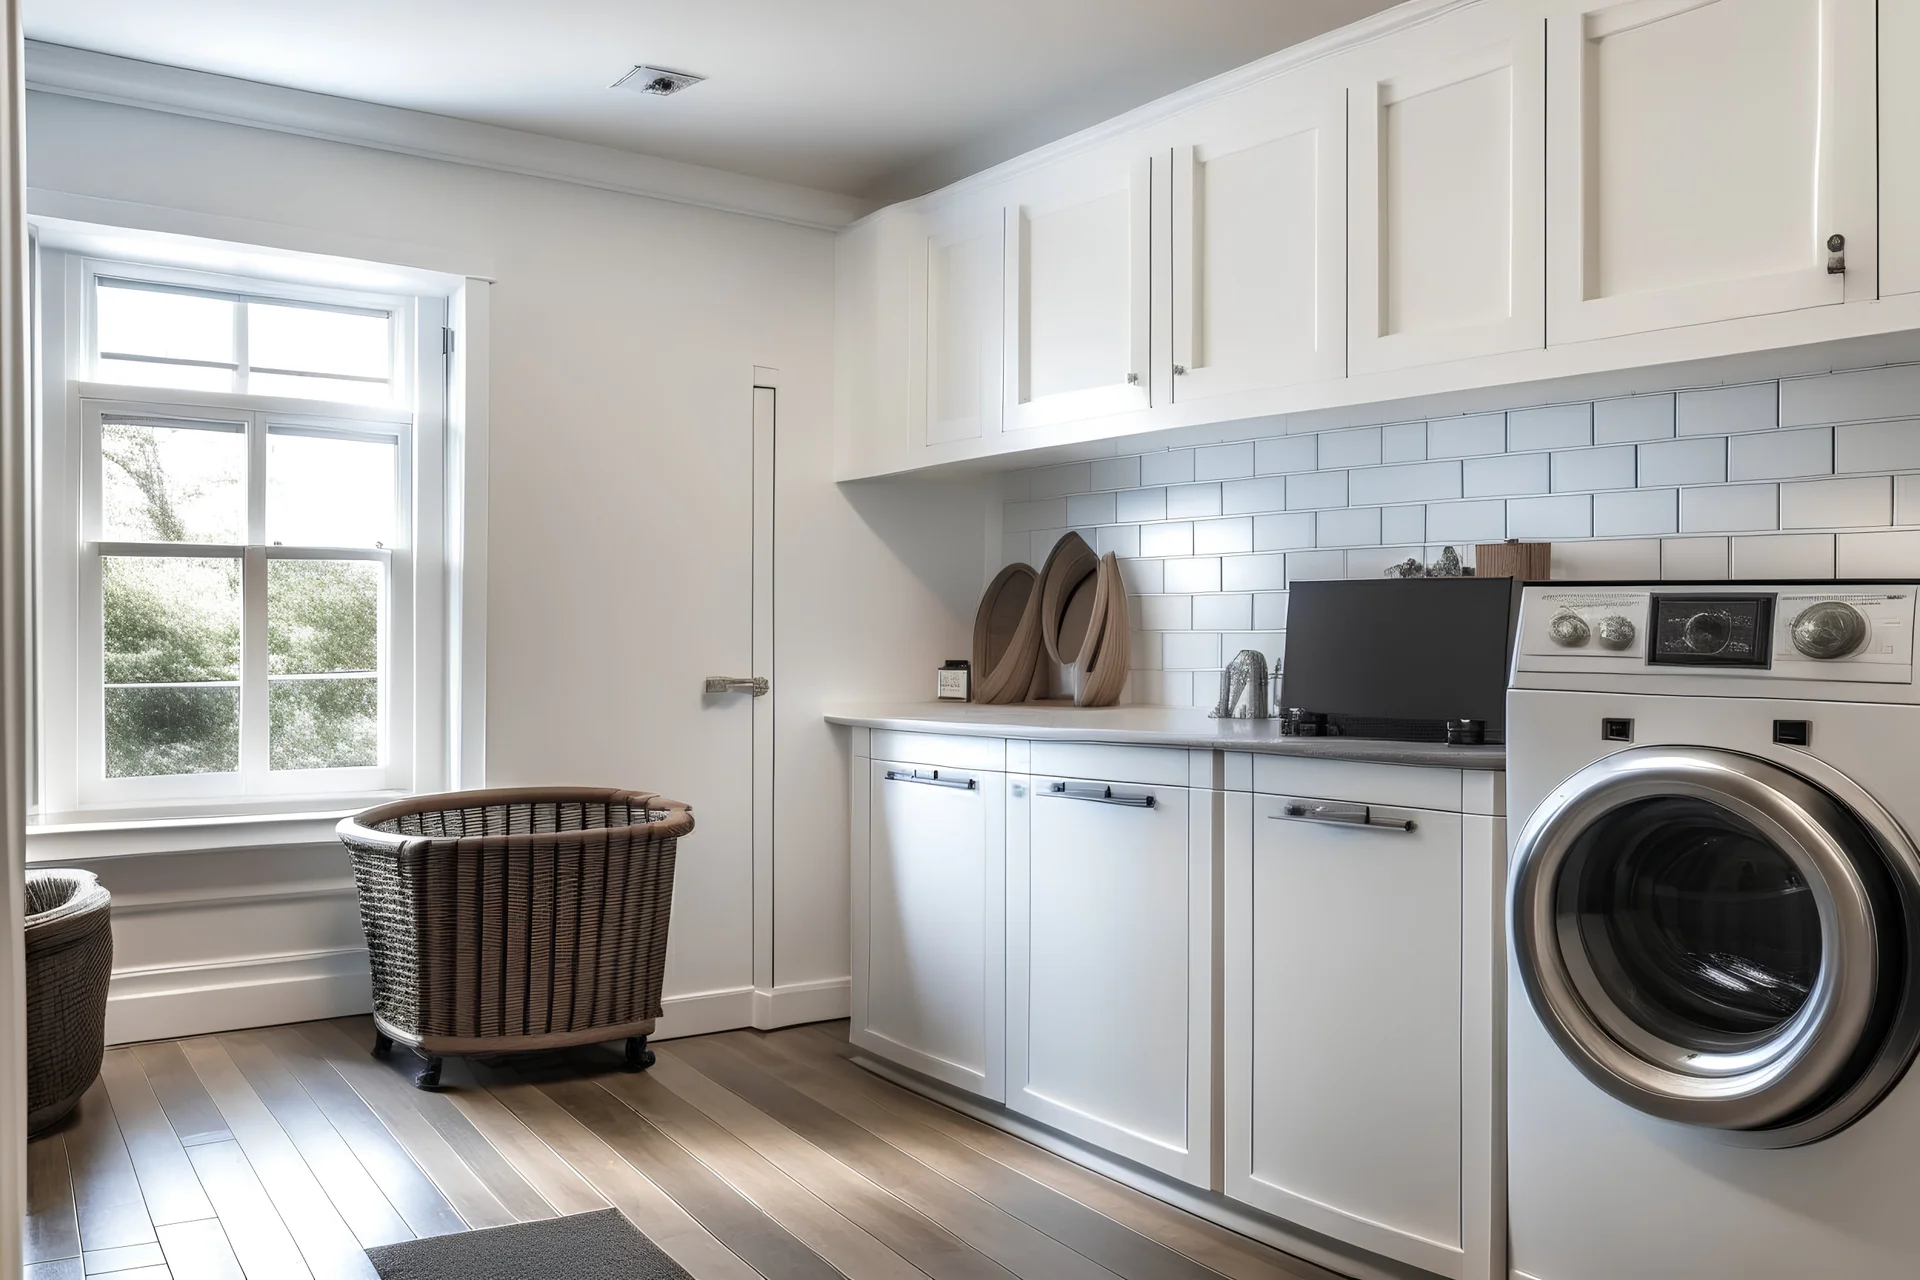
(1712, 631)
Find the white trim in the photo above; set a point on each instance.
(469, 409)
(80, 73)
(764, 399)
(799, 1002)
(58, 843)
(168, 1001)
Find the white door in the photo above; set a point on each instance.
(1447, 194)
(1260, 245)
(1108, 960)
(1078, 294)
(960, 307)
(936, 923)
(1343, 1043)
(1899, 147)
(1701, 153)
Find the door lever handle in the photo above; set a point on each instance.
(758, 686)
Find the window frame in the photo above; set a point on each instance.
(71, 781)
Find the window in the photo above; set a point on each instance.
(228, 503)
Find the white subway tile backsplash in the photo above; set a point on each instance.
(1587, 470)
(1254, 573)
(1467, 437)
(1724, 411)
(1163, 613)
(1633, 419)
(1730, 508)
(1172, 467)
(1316, 489)
(1191, 650)
(1286, 453)
(1184, 500)
(1223, 461)
(1403, 442)
(1467, 522)
(1638, 513)
(1141, 504)
(1270, 611)
(1403, 524)
(1860, 395)
(1239, 497)
(1090, 508)
(1314, 566)
(1230, 536)
(1550, 519)
(1232, 612)
(1162, 688)
(1013, 547)
(1057, 482)
(1856, 502)
(1505, 475)
(1022, 517)
(1599, 559)
(1781, 455)
(1878, 555)
(1412, 482)
(1675, 462)
(1144, 650)
(1016, 486)
(1040, 542)
(1271, 645)
(1373, 562)
(1877, 446)
(1783, 555)
(1359, 448)
(1693, 559)
(1283, 532)
(1348, 527)
(1174, 539)
(1200, 573)
(1143, 577)
(1556, 426)
(1122, 540)
(1116, 473)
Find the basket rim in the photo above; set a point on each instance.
(360, 829)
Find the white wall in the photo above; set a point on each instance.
(621, 328)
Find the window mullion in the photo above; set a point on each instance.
(254, 721)
(242, 361)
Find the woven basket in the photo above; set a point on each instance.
(513, 920)
(69, 932)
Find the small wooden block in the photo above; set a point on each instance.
(1528, 561)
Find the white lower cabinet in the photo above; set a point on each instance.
(1109, 965)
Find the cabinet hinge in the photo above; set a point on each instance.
(446, 341)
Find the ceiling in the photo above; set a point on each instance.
(880, 99)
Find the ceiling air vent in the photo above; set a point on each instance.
(656, 80)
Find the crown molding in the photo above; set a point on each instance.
(81, 73)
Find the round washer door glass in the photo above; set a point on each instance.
(1717, 941)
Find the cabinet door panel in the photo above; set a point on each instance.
(1702, 152)
(935, 926)
(1899, 147)
(1344, 1097)
(1107, 940)
(1259, 250)
(1078, 298)
(1447, 212)
(964, 308)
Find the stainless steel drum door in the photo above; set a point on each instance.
(1719, 942)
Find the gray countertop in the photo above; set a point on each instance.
(1155, 726)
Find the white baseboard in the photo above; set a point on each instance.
(704, 1012)
(167, 1001)
(800, 1002)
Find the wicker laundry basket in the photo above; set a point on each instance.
(514, 920)
(69, 931)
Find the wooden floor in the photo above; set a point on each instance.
(280, 1154)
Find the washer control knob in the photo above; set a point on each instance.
(1616, 632)
(1568, 630)
(1830, 629)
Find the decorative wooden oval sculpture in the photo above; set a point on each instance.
(1103, 673)
(1068, 586)
(1006, 636)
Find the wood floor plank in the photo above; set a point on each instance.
(199, 1251)
(877, 1210)
(184, 1099)
(409, 1190)
(60, 1269)
(392, 1081)
(52, 1228)
(260, 1240)
(368, 1214)
(1214, 1246)
(326, 1241)
(106, 1192)
(808, 1218)
(130, 1258)
(643, 1203)
(533, 1159)
(761, 1242)
(1000, 1235)
(160, 1162)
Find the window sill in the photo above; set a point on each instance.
(57, 843)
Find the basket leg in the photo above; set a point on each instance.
(639, 1057)
(382, 1045)
(429, 1077)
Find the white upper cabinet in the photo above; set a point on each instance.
(1078, 293)
(1701, 153)
(959, 300)
(1259, 245)
(1446, 214)
(1899, 147)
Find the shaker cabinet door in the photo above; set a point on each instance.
(1447, 194)
(1899, 147)
(1701, 154)
(961, 311)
